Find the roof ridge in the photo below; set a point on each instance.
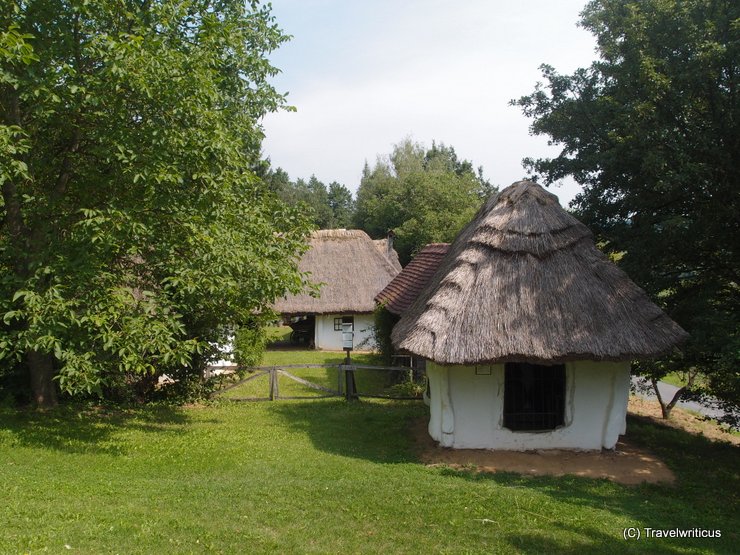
(352, 269)
(524, 278)
(337, 233)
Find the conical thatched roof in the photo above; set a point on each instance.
(402, 291)
(350, 268)
(525, 282)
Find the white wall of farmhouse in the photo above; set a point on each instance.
(467, 409)
(327, 338)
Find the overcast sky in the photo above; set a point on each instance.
(365, 74)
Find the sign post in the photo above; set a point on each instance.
(348, 336)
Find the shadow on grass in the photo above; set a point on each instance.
(374, 431)
(596, 542)
(655, 506)
(76, 429)
(705, 495)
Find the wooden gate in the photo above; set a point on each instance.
(344, 384)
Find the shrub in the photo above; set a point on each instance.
(384, 322)
(409, 388)
(249, 344)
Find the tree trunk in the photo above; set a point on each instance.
(41, 367)
(666, 408)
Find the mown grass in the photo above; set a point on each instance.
(278, 333)
(308, 356)
(367, 381)
(674, 379)
(324, 476)
(678, 379)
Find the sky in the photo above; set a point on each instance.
(364, 75)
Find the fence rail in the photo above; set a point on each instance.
(397, 383)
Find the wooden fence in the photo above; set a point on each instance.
(346, 382)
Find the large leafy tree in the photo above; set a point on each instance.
(651, 132)
(423, 195)
(133, 232)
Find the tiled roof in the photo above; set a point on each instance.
(406, 286)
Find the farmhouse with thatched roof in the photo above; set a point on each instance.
(350, 269)
(529, 331)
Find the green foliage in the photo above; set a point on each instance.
(328, 208)
(342, 205)
(186, 387)
(249, 344)
(133, 233)
(14, 385)
(650, 131)
(409, 388)
(382, 328)
(425, 196)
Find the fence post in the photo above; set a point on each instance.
(274, 388)
(350, 385)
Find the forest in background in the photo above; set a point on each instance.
(424, 195)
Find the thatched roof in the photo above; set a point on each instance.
(525, 282)
(402, 291)
(350, 267)
(388, 251)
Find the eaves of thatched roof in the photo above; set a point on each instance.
(524, 281)
(402, 291)
(350, 268)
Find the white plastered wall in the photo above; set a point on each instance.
(325, 337)
(466, 409)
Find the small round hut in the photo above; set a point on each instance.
(529, 330)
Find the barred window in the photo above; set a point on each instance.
(534, 396)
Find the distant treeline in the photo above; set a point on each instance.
(424, 195)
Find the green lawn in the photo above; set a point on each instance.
(278, 333)
(323, 476)
(678, 379)
(674, 379)
(367, 381)
(295, 356)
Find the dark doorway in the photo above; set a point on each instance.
(303, 330)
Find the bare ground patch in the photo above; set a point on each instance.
(681, 419)
(627, 464)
